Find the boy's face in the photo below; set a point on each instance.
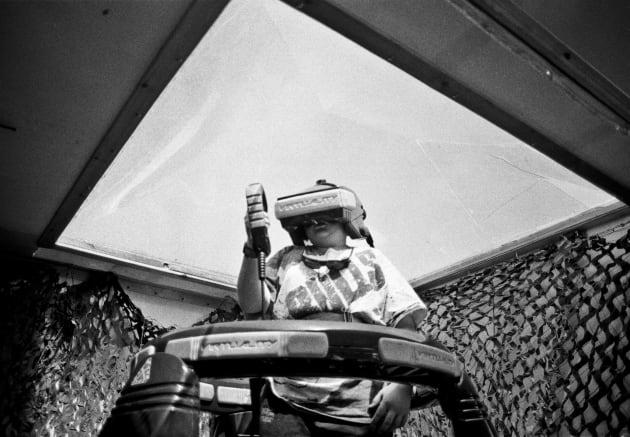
(326, 234)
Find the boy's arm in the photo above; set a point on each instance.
(393, 402)
(253, 296)
(407, 323)
(250, 299)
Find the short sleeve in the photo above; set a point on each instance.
(401, 300)
(274, 267)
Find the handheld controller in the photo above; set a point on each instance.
(256, 213)
(258, 223)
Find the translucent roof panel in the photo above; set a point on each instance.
(271, 96)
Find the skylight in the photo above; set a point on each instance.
(274, 97)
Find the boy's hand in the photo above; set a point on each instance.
(392, 406)
(256, 216)
(262, 219)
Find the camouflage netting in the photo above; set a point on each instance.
(544, 337)
(65, 350)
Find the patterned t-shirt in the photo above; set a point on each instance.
(369, 287)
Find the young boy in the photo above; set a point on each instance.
(322, 277)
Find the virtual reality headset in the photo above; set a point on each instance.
(322, 202)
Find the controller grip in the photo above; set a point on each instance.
(257, 216)
(260, 239)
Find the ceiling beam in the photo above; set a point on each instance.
(564, 58)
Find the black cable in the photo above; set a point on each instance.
(262, 272)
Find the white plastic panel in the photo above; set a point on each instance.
(251, 345)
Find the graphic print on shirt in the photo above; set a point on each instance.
(333, 290)
(375, 292)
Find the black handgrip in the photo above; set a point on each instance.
(256, 211)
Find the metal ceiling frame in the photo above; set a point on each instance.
(566, 60)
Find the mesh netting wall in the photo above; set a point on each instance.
(544, 337)
(66, 349)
